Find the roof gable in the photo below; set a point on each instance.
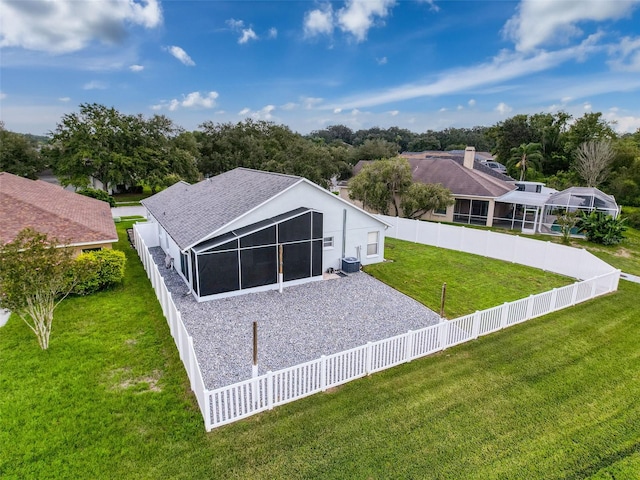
(190, 213)
(50, 209)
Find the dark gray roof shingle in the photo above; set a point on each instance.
(189, 213)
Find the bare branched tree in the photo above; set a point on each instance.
(593, 159)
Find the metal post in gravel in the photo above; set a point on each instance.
(280, 274)
(255, 349)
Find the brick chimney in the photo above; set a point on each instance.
(469, 157)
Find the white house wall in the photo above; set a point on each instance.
(359, 224)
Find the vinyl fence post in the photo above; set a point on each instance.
(443, 334)
(554, 299)
(593, 288)
(574, 293)
(408, 346)
(475, 326)
(323, 373)
(505, 315)
(529, 307)
(270, 390)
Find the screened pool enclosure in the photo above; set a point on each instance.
(584, 199)
(248, 257)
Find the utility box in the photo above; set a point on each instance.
(350, 265)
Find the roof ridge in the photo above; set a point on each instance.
(265, 171)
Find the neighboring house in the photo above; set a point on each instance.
(474, 186)
(75, 220)
(224, 235)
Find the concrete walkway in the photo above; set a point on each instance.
(629, 277)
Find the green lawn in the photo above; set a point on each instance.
(473, 282)
(555, 397)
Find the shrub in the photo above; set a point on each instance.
(97, 194)
(602, 228)
(632, 216)
(100, 269)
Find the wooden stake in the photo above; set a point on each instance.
(255, 344)
(442, 299)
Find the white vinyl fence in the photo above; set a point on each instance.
(231, 403)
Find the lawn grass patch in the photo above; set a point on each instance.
(555, 397)
(473, 282)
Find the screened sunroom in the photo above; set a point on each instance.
(249, 257)
(585, 199)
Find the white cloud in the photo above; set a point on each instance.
(3, 95)
(289, 106)
(381, 61)
(136, 68)
(94, 85)
(626, 55)
(472, 102)
(505, 66)
(432, 5)
(69, 25)
(181, 55)
(503, 108)
(545, 22)
(244, 111)
(247, 34)
(587, 106)
(358, 16)
(459, 107)
(265, 113)
(355, 112)
(394, 113)
(443, 109)
(337, 110)
(310, 102)
(64, 99)
(623, 123)
(272, 33)
(193, 100)
(235, 24)
(319, 21)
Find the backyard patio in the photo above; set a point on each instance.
(301, 324)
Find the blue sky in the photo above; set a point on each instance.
(309, 64)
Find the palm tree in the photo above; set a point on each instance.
(525, 156)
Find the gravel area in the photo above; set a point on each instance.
(301, 324)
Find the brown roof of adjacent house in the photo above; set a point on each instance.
(449, 171)
(71, 218)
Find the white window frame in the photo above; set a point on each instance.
(328, 243)
(441, 213)
(371, 244)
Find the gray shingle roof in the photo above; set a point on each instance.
(189, 213)
(449, 171)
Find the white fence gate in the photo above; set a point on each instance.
(231, 403)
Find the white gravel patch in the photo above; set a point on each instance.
(301, 324)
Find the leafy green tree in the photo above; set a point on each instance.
(98, 195)
(381, 184)
(375, 149)
(525, 157)
(421, 198)
(266, 146)
(334, 133)
(590, 127)
(19, 155)
(97, 142)
(424, 142)
(35, 276)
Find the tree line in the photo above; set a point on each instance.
(133, 150)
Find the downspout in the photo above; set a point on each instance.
(344, 231)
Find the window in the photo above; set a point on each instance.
(372, 243)
(440, 211)
(327, 242)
